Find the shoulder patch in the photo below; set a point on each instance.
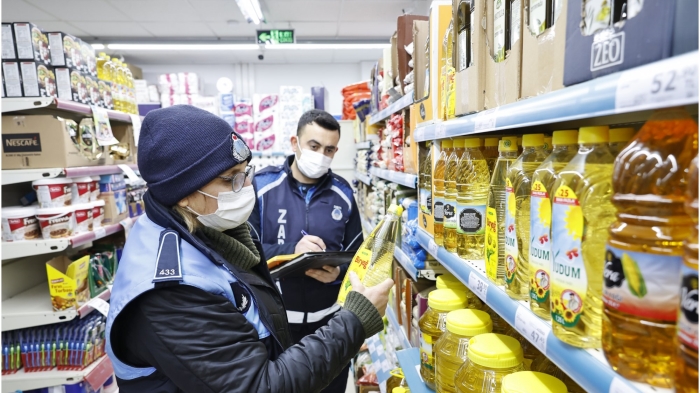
(242, 297)
(168, 262)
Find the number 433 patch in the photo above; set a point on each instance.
(168, 264)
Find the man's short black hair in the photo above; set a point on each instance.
(322, 118)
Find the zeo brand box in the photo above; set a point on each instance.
(603, 37)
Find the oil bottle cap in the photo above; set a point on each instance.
(547, 142)
(621, 134)
(396, 209)
(458, 143)
(531, 140)
(472, 142)
(469, 323)
(446, 143)
(491, 142)
(565, 137)
(448, 281)
(495, 351)
(447, 300)
(507, 144)
(532, 382)
(597, 134)
(399, 389)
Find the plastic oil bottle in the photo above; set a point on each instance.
(425, 192)
(373, 260)
(133, 108)
(491, 357)
(548, 144)
(517, 217)
(565, 146)
(118, 85)
(439, 197)
(619, 138)
(450, 74)
(532, 382)
(644, 255)
(581, 209)
(530, 352)
(495, 212)
(101, 60)
(450, 222)
(110, 75)
(490, 152)
(432, 324)
(451, 348)
(543, 365)
(448, 281)
(472, 196)
(686, 380)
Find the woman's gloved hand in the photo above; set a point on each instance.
(378, 295)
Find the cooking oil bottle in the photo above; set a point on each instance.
(119, 82)
(495, 212)
(425, 192)
(432, 324)
(448, 281)
(582, 209)
(543, 365)
(472, 197)
(129, 78)
(548, 144)
(450, 222)
(439, 197)
(491, 357)
(565, 145)
(490, 152)
(101, 60)
(449, 73)
(373, 260)
(451, 348)
(619, 138)
(517, 225)
(644, 254)
(686, 380)
(110, 74)
(532, 382)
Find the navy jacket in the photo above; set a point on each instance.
(328, 210)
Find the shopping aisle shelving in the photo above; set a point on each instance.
(396, 106)
(400, 331)
(409, 360)
(95, 374)
(363, 145)
(405, 179)
(12, 176)
(363, 178)
(45, 105)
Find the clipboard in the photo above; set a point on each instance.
(296, 265)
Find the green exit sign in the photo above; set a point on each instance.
(275, 36)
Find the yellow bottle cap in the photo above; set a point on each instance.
(547, 142)
(446, 143)
(458, 143)
(532, 382)
(399, 389)
(396, 209)
(491, 142)
(597, 134)
(530, 140)
(447, 300)
(448, 281)
(495, 351)
(565, 137)
(621, 134)
(469, 323)
(507, 144)
(472, 142)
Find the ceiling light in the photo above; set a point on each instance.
(98, 46)
(251, 11)
(239, 47)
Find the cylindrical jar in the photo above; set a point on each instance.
(54, 192)
(19, 223)
(56, 222)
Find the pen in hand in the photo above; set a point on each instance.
(303, 233)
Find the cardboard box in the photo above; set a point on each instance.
(470, 56)
(31, 43)
(66, 50)
(94, 97)
(410, 146)
(595, 48)
(68, 282)
(72, 85)
(8, 42)
(105, 89)
(12, 80)
(116, 208)
(38, 80)
(503, 77)
(543, 63)
(404, 36)
(89, 66)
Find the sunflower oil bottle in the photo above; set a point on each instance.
(425, 192)
(500, 325)
(101, 60)
(472, 197)
(448, 281)
(450, 222)
(449, 73)
(491, 357)
(644, 254)
(543, 365)
(432, 324)
(118, 81)
(494, 247)
(619, 138)
(686, 380)
(439, 197)
(565, 145)
(582, 209)
(532, 382)
(490, 152)
(548, 144)
(133, 108)
(451, 348)
(109, 71)
(374, 259)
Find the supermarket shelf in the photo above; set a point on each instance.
(96, 375)
(406, 263)
(363, 145)
(12, 176)
(622, 92)
(587, 367)
(394, 322)
(23, 104)
(33, 308)
(396, 106)
(409, 360)
(363, 178)
(404, 179)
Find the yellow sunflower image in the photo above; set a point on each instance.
(540, 292)
(532, 281)
(574, 222)
(545, 214)
(511, 203)
(569, 316)
(556, 303)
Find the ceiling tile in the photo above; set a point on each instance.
(367, 29)
(314, 29)
(182, 29)
(80, 10)
(157, 10)
(217, 10)
(382, 12)
(223, 29)
(20, 11)
(113, 29)
(62, 26)
(302, 11)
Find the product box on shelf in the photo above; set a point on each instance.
(425, 194)
(38, 80)
(89, 65)
(404, 37)
(12, 81)
(602, 39)
(504, 44)
(72, 85)
(422, 105)
(66, 50)
(105, 88)
(115, 206)
(68, 282)
(8, 42)
(31, 43)
(410, 146)
(470, 55)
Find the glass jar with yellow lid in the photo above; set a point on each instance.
(491, 357)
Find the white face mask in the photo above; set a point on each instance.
(312, 164)
(234, 208)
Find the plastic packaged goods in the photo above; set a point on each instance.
(439, 197)
(565, 146)
(472, 196)
(53, 192)
(543, 365)
(619, 138)
(494, 247)
(451, 348)
(644, 253)
(432, 324)
(491, 152)
(582, 209)
(517, 225)
(56, 222)
(491, 357)
(450, 209)
(532, 382)
(19, 223)
(448, 281)
(425, 192)
(686, 378)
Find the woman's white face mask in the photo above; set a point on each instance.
(312, 164)
(233, 209)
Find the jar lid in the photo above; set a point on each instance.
(565, 137)
(531, 140)
(82, 179)
(399, 389)
(446, 143)
(54, 210)
(508, 144)
(447, 300)
(99, 202)
(82, 206)
(18, 211)
(491, 142)
(469, 323)
(448, 281)
(532, 382)
(472, 142)
(597, 134)
(621, 134)
(495, 351)
(55, 180)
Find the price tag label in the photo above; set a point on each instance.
(673, 82)
(478, 285)
(433, 248)
(103, 129)
(486, 120)
(440, 131)
(419, 134)
(532, 328)
(100, 232)
(617, 386)
(100, 305)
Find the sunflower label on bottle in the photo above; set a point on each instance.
(426, 351)
(569, 280)
(511, 243)
(688, 312)
(491, 243)
(540, 243)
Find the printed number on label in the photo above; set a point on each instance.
(478, 285)
(433, 248)
(532, 327)
(167, 272)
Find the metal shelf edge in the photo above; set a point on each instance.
(396, 106)
(409, 360)
(406, 263)
(101, 369)
(404, 179)
(394, 322)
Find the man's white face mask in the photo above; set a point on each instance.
(312, 164)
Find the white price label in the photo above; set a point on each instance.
(617, 386)
(135, 179)
(532, 328)
(478, 285)
(100, 305)
(673, 82)
(433, 248)
(103, 129)
(100, 232)
(486, 120)
(440, 130)
(419, 134)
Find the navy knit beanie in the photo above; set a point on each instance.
(182, 148)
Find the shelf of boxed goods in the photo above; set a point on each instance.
(587, 367)
(404, 179)
(12, 176)
(363, 178)
(27, 248)
(363, 145)
(48, 104)
(95, 374)
(394, 107)
(663, 84)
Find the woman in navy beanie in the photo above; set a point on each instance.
(193, 307)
